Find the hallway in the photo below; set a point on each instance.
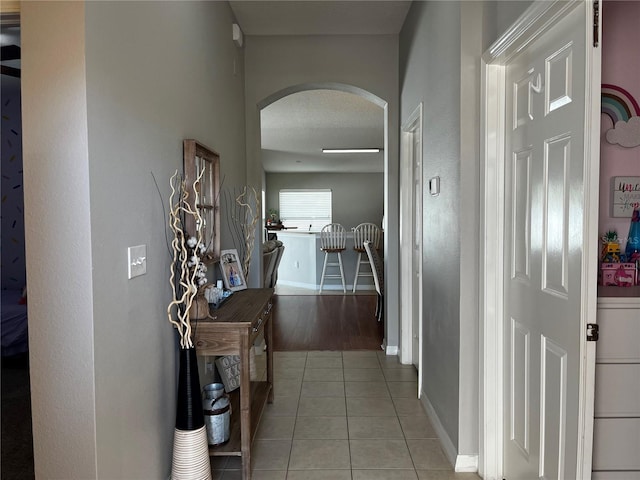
(343, 415)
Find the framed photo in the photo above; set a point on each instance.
(232, 270)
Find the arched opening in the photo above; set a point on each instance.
(278, 160)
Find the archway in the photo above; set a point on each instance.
(345, 88)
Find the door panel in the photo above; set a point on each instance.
(520, 378)
(544, 167)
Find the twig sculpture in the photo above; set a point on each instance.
(251, 218)
(186, 265)
(242, 212)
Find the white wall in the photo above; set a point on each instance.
(103, 353)
(370, 63)
(58, 240)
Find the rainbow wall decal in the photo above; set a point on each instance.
(624, 112)
(618, 104)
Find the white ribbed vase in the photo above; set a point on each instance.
(190, 455)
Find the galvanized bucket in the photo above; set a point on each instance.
(217, 413)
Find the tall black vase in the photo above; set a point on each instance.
(189, 414)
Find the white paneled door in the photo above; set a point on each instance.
(543, 241)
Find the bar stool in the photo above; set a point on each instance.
(333, 239)
(378, 275)
(365, 232)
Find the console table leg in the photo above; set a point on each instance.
(245, 406)
(268, 336)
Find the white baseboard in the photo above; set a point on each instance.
(332, 287)
(310, 286)
(447, 445)
(466, 463)
(390, 349)
(460, 463)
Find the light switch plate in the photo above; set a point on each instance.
(434, 186)
(137, 260)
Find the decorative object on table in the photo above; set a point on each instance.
(624, 111)
(203, 164)
(217, 413)
(273, 218)
(190, 448)
(610, 247)
(216, 296)
(243, 213)
(229, 369)
(625, 196)
(232, 270)
(200, 306)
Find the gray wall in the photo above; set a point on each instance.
(108, 95)
(430, 73)
(506, 12)
(278, 65)
(440, 48)
(110, 90)
(356, 197)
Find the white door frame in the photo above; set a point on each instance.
(411, 128)
(527, 27)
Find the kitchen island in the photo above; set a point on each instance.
(301, 264)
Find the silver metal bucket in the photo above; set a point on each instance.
(217, 413)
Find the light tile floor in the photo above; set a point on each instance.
(342, 416)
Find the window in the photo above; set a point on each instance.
(305, 209)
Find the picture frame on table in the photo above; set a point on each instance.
(232, 270)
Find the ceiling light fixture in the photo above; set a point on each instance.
(351, 150)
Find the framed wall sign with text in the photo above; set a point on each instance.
(626, 196)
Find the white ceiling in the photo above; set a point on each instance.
(297, 127)
(325, 17)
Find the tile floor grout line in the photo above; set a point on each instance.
(346, 416)
(295, 421)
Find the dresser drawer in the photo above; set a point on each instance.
(257, 326)
(616, 444)
(617, 390)
(619, 334)
(616, 475)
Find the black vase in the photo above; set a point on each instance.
(189, 414)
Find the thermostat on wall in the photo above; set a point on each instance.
(434, 186)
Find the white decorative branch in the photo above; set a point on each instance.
(249, 223)
(184, 276)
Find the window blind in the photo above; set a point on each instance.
(306, 209)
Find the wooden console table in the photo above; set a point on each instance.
(232, 331)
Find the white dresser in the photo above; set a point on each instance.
(616, 443)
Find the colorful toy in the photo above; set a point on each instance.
(610, 247)
(633, 240)
(619, 274)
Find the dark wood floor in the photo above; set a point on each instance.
(326, 322)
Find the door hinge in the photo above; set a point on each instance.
(596, 23)
(593, 332)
